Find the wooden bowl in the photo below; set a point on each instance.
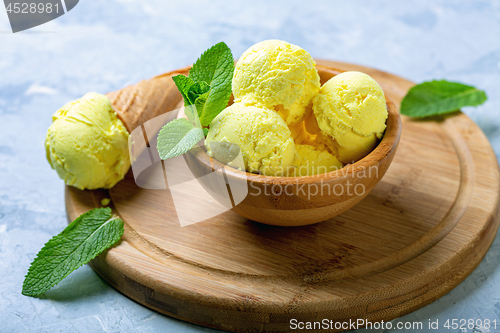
(297, 201)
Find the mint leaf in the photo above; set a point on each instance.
(204, 87)
(200, 104)
(205, 131)
(198, 89)
(192, 114)
(434, 98)
(177, 137)
(207, 88)
(87, 236)
(206, 66)
(189, 89)
(184, 85)
(215, 67)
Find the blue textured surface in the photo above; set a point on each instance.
(105, 45)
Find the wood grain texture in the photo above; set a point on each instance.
(424, 227)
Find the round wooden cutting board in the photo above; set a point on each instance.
(416, 236)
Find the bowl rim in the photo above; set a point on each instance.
(385, 147)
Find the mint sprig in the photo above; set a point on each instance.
(207, 90)
(82, 240)
(433, 98)
(215, 67)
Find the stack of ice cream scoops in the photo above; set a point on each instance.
(284, 122)
(287, 124)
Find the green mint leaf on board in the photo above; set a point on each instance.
(205, 131)
(81, 241)
(215, 67)
(434, 98)
(177, 137)
(184, 85)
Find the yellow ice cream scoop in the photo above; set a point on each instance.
(279, 76)
(351, 109)
(262, 136)
(311, 161)
(87, 144)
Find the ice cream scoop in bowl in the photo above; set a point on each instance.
(296, 201)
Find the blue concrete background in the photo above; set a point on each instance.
(105, 45)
